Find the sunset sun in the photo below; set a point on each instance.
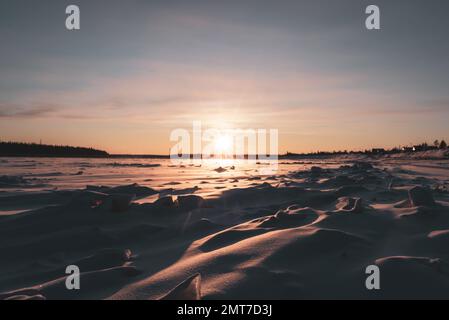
(223, 144)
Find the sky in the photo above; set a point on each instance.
(137, 70)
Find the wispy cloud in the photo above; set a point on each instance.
(36, 111)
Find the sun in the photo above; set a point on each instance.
(223, 144)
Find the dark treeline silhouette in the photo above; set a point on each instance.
(437, 145)
(19, 149)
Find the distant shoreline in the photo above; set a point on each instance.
(33, 150)
(402, 156)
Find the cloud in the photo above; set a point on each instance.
(36, 111)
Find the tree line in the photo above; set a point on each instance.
(17, 149)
